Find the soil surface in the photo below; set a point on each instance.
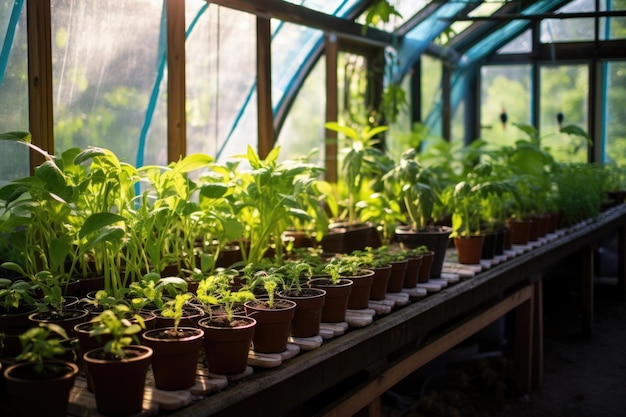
(583, 376)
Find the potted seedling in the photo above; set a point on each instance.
(175, 349)
(38, 376)
(118, 369)
(309, 301)
(273, 315)
(363, 163)
(17, 302)
(418, 187)
(227, 334)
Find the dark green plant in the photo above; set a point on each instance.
(42, 343)
(15, 294)
(417, 186)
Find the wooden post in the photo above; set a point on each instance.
(332, 50)
(40, 110)
(264, 87)
(176, 81)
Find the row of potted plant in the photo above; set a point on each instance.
(247, 302)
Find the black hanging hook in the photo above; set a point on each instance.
(504, 118)
(559, 119)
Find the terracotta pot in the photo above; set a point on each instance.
(336, 301)
(227, 344)
(119, 385)
(272, 324)
(396, 279)
(435, 240)
(308, 314)
(413, 266)
(425, 269)
(361, 289)
(379, 282)
(519, 231)
(33, 396)
(346, 238)
(67, 319)
(469, 249)
(175, 356)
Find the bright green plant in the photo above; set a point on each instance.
(216, 290)
(174, 308)
(122, 331)
(266, 199)
(383, 211)
(362, 162)
(152, 288)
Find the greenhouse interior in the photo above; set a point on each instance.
(358, 195)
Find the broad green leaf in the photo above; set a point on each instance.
(98, 221)
(16, 136)
(192, 162)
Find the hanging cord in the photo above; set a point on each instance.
(10, 36)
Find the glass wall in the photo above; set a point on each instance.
(303, 129)
(615, 113)
(221, 86)
(109, 77)
(505, 99)
(13, 87)
(564, 91)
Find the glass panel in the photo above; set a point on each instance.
(303, 129)
(399, 138)
(567, 30)
(430, 85)
(13, 90)
(291, 47)
(505, 90)
(564, 89)
(221, 88)
(615, 122)
(107, 77)
(612, 28)
(522, 44)
(485, 9)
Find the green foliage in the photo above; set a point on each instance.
(14, 294)
(362, 162)
(115, 323)
(217, 290)
(417, 186)
(42, 343)
(174, 308)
